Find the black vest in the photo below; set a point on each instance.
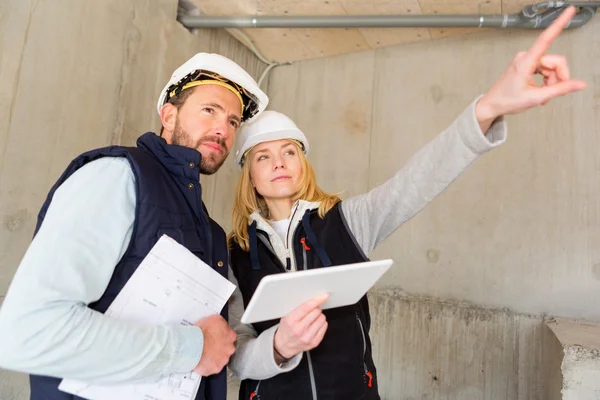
(341, 367)
(168, 201)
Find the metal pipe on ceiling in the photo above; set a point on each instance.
(537, 16)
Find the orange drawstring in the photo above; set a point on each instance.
(303, 241)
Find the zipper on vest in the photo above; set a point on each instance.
(313, 385)
(304, 261)
(254, 395)
(287, 236)
(290, 249)
(288, 259)
(368, 374)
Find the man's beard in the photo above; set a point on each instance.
(208, 164)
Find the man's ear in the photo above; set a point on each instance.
(168, 117)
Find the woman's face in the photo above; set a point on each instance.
(275, 169)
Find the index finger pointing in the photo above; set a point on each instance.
(543, 42)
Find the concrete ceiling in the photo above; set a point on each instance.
(279, 44)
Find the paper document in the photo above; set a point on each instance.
(170, 287)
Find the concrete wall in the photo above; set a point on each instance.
(425, 348)
(75, 75)
(520, 228)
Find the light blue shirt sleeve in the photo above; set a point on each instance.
(46, 327)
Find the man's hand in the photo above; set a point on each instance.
(516, 91)
(302, 329)
(219, 345)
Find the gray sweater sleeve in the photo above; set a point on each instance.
(373, 216)
(253, 357)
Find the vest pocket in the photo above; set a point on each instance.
(174, 233)
(185, 237)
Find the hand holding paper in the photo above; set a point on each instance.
(219, 345)
(170, 287)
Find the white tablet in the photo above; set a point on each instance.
(278, 294)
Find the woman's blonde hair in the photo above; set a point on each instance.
(248, 200)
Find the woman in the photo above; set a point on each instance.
(282, 221)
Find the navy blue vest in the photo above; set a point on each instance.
(342, 366)
(168, 201)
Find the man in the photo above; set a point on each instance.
(102, 217)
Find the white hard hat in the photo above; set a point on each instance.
(271, 125)
(214, 67)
